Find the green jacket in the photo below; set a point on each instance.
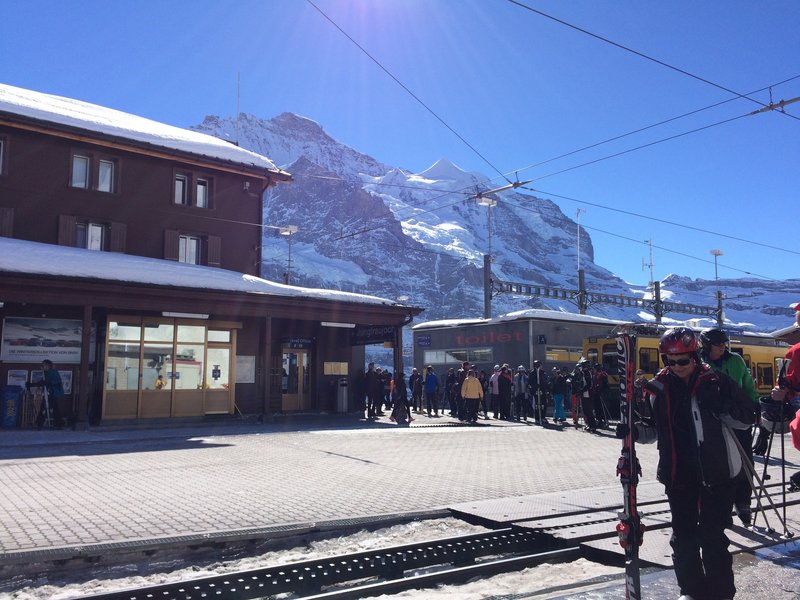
(733, 365)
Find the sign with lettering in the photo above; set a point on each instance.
(28, 340)
(297, 343)
(364, 335)
(424, 341)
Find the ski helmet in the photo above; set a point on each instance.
(678, 340)
(713, 337)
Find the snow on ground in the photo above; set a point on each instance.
(120, 577)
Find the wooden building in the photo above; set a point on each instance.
(129, 255)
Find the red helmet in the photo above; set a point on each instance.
(678, 340)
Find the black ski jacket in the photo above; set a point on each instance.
(692, 423)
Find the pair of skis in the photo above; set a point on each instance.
(630, 528)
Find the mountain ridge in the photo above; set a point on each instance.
(379, 229)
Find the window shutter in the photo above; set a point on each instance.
(66, 230)
(214, 251)
(117, 241)
(171, 244)
(6, 221)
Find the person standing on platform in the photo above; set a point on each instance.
(560, 392)
(505, 384)
(538, 387)
(431, 391)
(715, 352)
(520, 389)
(583, 380)
(415, 385)
(694, 409)
(471, 392)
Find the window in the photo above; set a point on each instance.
(90, 236)
(181, 189)
(191, 189)
(80, 171)
(189, 249)
(201, 198)
(105, 176)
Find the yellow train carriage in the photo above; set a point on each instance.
(763, 355)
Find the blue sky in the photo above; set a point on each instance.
(519, 88)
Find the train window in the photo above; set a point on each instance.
(748, 361)
(765, 375)
(591, 355)
(648, 360)
(610, 358)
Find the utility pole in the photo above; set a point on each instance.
(720, 320)
(650, 264)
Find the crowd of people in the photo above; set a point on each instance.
(469, 393)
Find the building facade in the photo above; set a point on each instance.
(129, 255)
(552, 337)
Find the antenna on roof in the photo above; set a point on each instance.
(238, 94)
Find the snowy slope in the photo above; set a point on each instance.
(372, 228)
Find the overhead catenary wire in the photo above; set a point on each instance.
(408, 90)
(643, 55)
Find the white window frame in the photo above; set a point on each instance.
(189, 249)
(202, 188)
(106, 175)
(181, 189)
(87, 172)
(94, 236)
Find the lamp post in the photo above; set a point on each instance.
(489, 203)
(288, 230)
(716, 254)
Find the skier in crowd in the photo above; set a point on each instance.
(599, 395)
(472, 392)
(374, 389)
(494, 392)
(715, 352)
(505, 384)
(520, 390)
(560, 392)
(450, 385)
(431, 391)
(538, 388)
(694, 408)
(583, 380)
(415, 385)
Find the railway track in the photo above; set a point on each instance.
(385, 570)
(394, 569)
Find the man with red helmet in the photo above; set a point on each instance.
(693, 411)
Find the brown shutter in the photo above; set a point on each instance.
(214, 251)
(117, 241)
(66, 230)
(6, 221)
(171, 244)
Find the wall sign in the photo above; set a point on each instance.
(364, 335)
(34, 340)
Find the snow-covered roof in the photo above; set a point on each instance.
(19, 256)
(110, 122)
(530, 313)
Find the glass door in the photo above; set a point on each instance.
(295, 381)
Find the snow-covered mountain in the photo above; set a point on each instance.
(420, 237)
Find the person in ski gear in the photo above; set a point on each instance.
(400, 409)
(431, 391)
(538, 387)
(599, 395)
(715, 352)
(505, 383)
(694, 409)
(415, 385)
(494, 392)
(639, 399)
(520, 390)
(582, 381)
(560, 391)
(374, 385)
(450, 385)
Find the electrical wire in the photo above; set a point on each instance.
(412, 94)
(643, 55)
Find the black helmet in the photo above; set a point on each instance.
(678, 340)
(713, 337)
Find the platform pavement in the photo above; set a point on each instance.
(70, 493)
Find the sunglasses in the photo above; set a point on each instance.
(681, 362)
